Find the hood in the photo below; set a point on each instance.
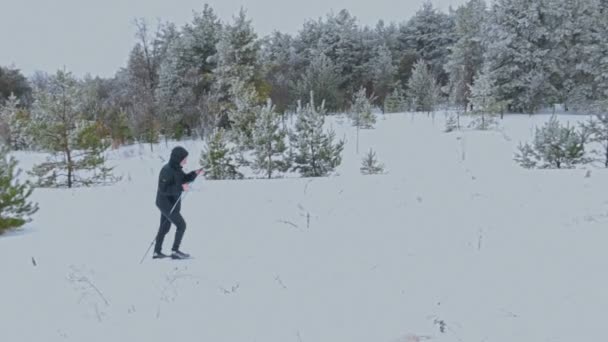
(177, 155)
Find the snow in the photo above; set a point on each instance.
(456, 237)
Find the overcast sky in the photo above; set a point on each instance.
(95, 36)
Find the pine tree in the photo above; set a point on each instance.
(236, 58)
(395, 102)
(485, 105)
(316, 154)
(428, 35)
(202, 37)
(361, 110)
(243, 114)
(452, 123)
(12, 81)
(370, 165)
(217, 158)
(554, 146)
(120, 132)
(270, 148)
(174, 94)
(466, 56)
(383, 72)
(573, 43)
(75, 144)
(597, 131)
(14, 124)
(186, 74)
(600, 58)
(15, 209)
(423, 88)
(340, 40)
(518, 54)
(323, 79)
(279, 61)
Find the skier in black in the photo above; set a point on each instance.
(171, 182)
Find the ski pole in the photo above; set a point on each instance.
(166, 217)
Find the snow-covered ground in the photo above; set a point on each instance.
(455, 243)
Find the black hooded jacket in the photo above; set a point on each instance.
(171, 179)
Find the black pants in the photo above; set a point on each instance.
(165, 225)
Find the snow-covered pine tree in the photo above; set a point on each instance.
(14, 121)
(423, 88)
(429, 34)
(466, 56)
(279, 61)
(573, 43)
(315, 153)
(554, 146)
(269, 139)
(370, 164)
(340, 40)
(242, 114)
(217, 158)
(596, 130)
(236, 58)
(388, 35)
(323, 79)
(361, 112)
(202, 37)
(483, 100)
(395, 101)
(382, 73)
(15, 209)
(120, 132)
(186, 73)
(75, 145)
(174, 94)
(600, 58)
(518, 54)
(452, 123)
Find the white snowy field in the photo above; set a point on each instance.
(455, 243)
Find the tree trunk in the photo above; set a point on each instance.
(313, 160)
(70, 167)
(606, 161)
(269, 147)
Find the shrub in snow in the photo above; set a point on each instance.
(554, 146)
(451, 123)
(370, 165)
(217, 159)
(15, 210)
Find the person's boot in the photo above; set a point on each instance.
(179, 255)
(159, 255)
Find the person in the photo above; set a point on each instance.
(172, 181)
